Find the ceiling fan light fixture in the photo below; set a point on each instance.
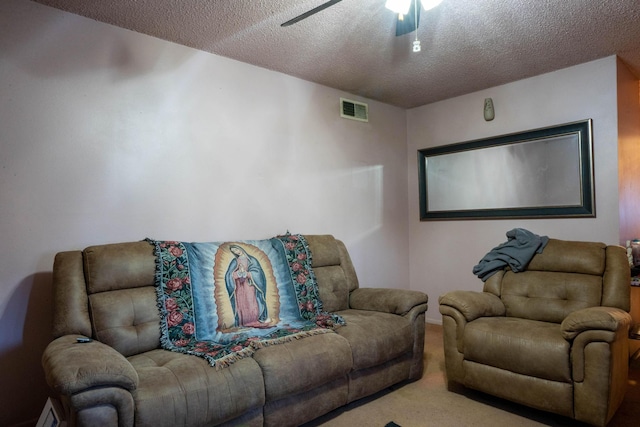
(400, 7)
(430, 4)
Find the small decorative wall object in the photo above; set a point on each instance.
(539, 173)
(489, 112)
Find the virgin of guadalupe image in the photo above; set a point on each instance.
(247, 285)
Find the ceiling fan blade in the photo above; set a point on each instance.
(313, 11)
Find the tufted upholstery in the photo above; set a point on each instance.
(553, 337)
(124, 378)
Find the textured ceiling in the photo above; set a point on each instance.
(467, 45)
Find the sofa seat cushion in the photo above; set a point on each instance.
(523, 346)
(375, 337)
(179, 389)
(304, 364)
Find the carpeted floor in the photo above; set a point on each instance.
(428, 402)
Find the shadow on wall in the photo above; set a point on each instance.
(29, 310)
(48, 45)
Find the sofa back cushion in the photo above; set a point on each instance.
(333, 270)
(122, 300)
(127, 320)
(565, 277)
(549, 296)
(571, 257)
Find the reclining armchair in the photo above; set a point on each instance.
(553, 337)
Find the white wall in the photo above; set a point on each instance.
(443, 253)
(108, 135)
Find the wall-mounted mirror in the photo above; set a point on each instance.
(539, 173)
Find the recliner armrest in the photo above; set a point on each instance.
(473, 304)
(71, 367)
(395, 301)
(594, 318)
(596, 325)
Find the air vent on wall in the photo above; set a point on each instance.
(354, 110)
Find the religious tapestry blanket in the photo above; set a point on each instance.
(223, 300)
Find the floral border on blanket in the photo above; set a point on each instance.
(175, 294)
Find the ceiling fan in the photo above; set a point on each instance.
(407, 10)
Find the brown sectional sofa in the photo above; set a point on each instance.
(123, 377)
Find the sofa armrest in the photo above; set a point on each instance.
(594, 318)
(605, 331)
(71, 367)
(473, 304)
(395, 301)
